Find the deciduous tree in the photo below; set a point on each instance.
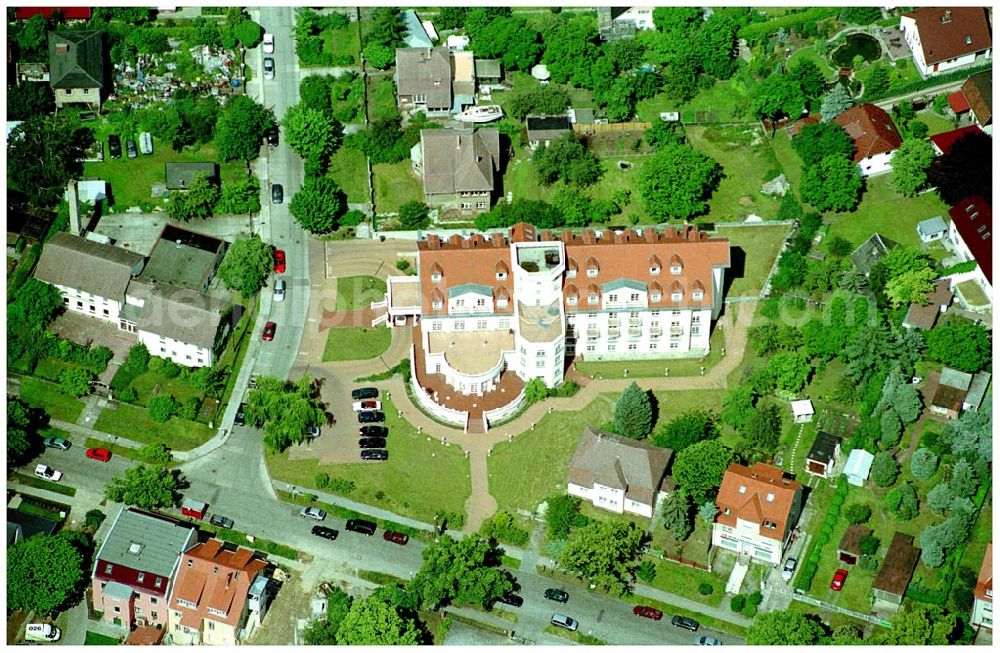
(29, 99)
(324, 631)
(700, 467)
(461, 572)
(75, 381)
(677, 181)
(686, 429)
(43, 154)
(832, 185)
(960, 174)
(959, 343)
(42, 573)
(318, 204)
(903, 502)
(549, 100)
(22, 431)
(312, 134)
(566, 158)
(785, 628)
(633, 416)
(815, 142)
(858, 513)
(242, 195)
(562, 513)
(604, 553)
(144, 486)
(777, 96)
(737, 406)
(373, 622)
(920, 625)
(285, 410)
(198, 201)
(240, 128)
(809, 78)
(791, 370)
(909, 166)
(910, 287)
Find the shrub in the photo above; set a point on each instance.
(75, 381)
(756, 598)
(646, 571)
(858, 513)
(503, 527)
(93, 520)
(342, 485)
(868, 562)
(322, 480)
(189, 409)
(158, 454)
(869, 544)
(749, 610)
(923, 464)
(885, 469)
(737, 602)
(705, 589)
(128, 394)
(138, 359)
(162, 407)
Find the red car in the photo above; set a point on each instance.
(97, 453)
(269, 330)
(648, 612)
(279, 260)
(395, 536)
(839, 577)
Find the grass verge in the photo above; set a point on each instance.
(512, 563)
(358, 292)
(125, 452)
(259, 544)
(703, 619)
(379, 578)
(134, 423)
(97, 639)
(574, 636)
(356, 343)
(42, 484)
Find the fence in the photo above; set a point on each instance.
(611, 127)
(684, 561)
(872, 619)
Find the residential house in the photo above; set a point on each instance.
(459, 167)
(23, 525)
(926, 316)
(210, 603)
(76, 68)
(894, 573)
(982, 606)
(489, 72)
(871, 252)
(932, 229)
(823, 455)
(542, 130)
(623, 22)
(952, 389)
(943, 142)
(134, 568)
(978, 92)
(875, 137)
(617, 474)
(945, 38)
(969, 235)
(437, 81)
(184, 258)
(849, 549)
(858, 467)
(758, 508)
(180, 175)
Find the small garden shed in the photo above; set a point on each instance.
(802, 411)
(859, 466)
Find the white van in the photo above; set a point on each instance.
(42, 633)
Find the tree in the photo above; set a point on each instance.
(885, 469)
(940, 498)
(248, 33)
(573, 205)
(763, 431)
(677, 181)
(246, 265)
(372, 622)
(461, 572)
(318, 204)
(910, 287)
(541, 214)
(414, 215)
(923, 463)
(535, 390)
(162, 407)
(662, 133)
(858, 513)
(386, 27)
(700, 467)
(861, 15)
(22, 431)
(566, 158)
(144, 486)
(43, 154)
(677, 515)
(791, 371)
(31, 38)
(890, 428)
(686, 429)
(562, 513)
(547, 100)
(910, 164)
(284, 409)
(918, 626)
(737, 406)
(960, 174)
(502, 527)
(776, 96)
(312, 134)
(240, 128)
(75, 381)
(878, 80)
(198, 201)
(832, 185)
(324, 631)
(903, 503)
(242, 195)
(571, 46)
(963, 479)
(809, 78)
(784, 628)
(716, 45)
(497, 35)
(604, 553)
(902, 397)
(633, 413)
(815, 142)
(971, 434)
(959, 343)
(29, 99)
(42, 573)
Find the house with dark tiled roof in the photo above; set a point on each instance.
(952, 388)
(459, 167)
(894, 573)
(76, 68)
(925, 316)
(758, 508)
(542, 130)
(617, 474)
(823, 454)
(982, 606)
(978, 91)
(945, 38)
(970, 234)
(875, 137)
(437, 81)
(871, 252)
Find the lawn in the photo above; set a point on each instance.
(382, 99)
(134, 423)
(97, 639)
(395, 185)
(42, 484)
(349, 169)
(356, 343)
(935, 124)
(656, 366)
(144, 384)
(44, 395)
(342, 43)
(721, 98)
(810, 54)
(973, 294)
(684, 581)
(760, 246)
(358, 292)
(787, 158)
(421, 478)
(671, 403)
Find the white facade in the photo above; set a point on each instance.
(92, 305)
(182, 353)
(611, 499)
(642, 17)
(960, 248)
(982, 611)
(745, 538)
(912, 36)
(877, 164)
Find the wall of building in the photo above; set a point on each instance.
(79, 301)
(181, 353)
(982, 613)
(879, 164)
(65, 96)
(142, 605)
(636, 330)
(502, 413)
(746, 538)
(603, 497)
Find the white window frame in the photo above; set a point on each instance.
(571, 299)
(437, 306)
(592, 300)
(676, 269)
(654, 270)
(592, 272)
(676, 297)
(697, 295)
(435, 277)
(656, 297)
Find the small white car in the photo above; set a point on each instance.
(42, 633)
(367, 404)
(268, 68)
(313, 513)
(789, 569)
(46, 472)
(279, 290)
(268, 43)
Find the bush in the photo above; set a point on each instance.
(158, 454)
(75, 381)
(923, 464)
(885, 469)
(189, 409)
(749, 610)
(138, 359)
(737, 602)
(868, 562)
(755, 599)
(162, 407)
(705, 589)
(129, 395)
(341, 485)
(503, 527)
(165, 366)
(93, 520)
(352, 218)
(322, 480)
(869, 544)
(646, 571)
(858, 513)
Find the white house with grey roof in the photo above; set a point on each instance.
(136, 565)
(458, 167)
(617, 474)
(932, 229)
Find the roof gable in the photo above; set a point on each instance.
(871, 129)
(95, 268)
(950, 32)
(760, 494)
(978, 91)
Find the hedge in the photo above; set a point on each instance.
(811, 564)
(921, 84)
(960, 268)
(788, 21)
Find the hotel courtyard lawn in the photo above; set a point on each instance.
(358, 292)
(356, 343)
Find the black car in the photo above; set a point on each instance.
(133, 151)
(241, 416)
(558, 596)
(687, 623)
(272, 136)
(369, 416)
(372, 431)
(364, 393)
(372, 443)
(362, 526)
(325, 531)
(277, 193)
(512, 599)
(220, 521)
(115, 146)
(374, 454)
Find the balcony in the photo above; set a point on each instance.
(614, 333)
(593, 333)
(676, 330)
(634, 332)
(656, 332)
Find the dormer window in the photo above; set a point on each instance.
(571, 274)
(108, 567)
(654, 271)
(654, 264)
(501, 270)
(158, 583)
(675, 269)
(725, 511)
(571, 299)
(655, 296)
(697, 295)
(592, 300)
(770, 524)
(435, 277)
(676, 264)
(676, 297)
(592, 267)
(436, 305)
(591, 272)
(502, 302)
(501, 276)
(140, 578)
(436, 272)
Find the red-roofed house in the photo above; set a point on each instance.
(758, 508)
(942, 142)
(874, 135)
(969, 233)
(978, 92)
(982, 608)
(945, 38)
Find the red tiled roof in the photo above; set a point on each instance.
(950, 32)
(947, 139)
(985, 580)
(958, 102)
(758, 483)
(871, 129)
(978, 91)
(69, 13)
(973, 219)
(461, 261)
(214, 577)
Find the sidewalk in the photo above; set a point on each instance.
(362, 508)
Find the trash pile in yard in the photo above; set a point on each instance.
(153, 79)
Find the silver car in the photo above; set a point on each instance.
(268, 68)
(313, 513)
(789, 569)
(279, 290)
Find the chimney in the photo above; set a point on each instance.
(433, 241)
(650, 234)
(497, 239)
(546, 235)
(588, 237)
(946, 18)
(455, 241)
(73, 199)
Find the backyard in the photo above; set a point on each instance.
(47, 396)
(726, 100)
(349, 169)
(759, 246)
(395, 185)
(134, 423)
(356, 343)
(341, 44)
(358, 292)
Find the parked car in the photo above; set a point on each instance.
(511, 599)
(268, 68)
(686, 623)
(558, 596)
(277, 194)
(279, 261)
(325, 532)
(312, 432)
(647, 612)
(396, 537)
(241, 415)
(269, 330)
(97, 453)
(369, 416)
(374, 454)
(272, 136)
(789, 569)
(46, 472)
(373, 431)
(268, 43)
(132, 150)
(705, 640)
(561, 620)
(367, 404)
(839, 578)
(362, 526)
(42, 633)
(364, 393)
(115, 146)
(313, 513)
(57, 443)
(279, 290)
(146, 143)
(220, 521)
(372, 443)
